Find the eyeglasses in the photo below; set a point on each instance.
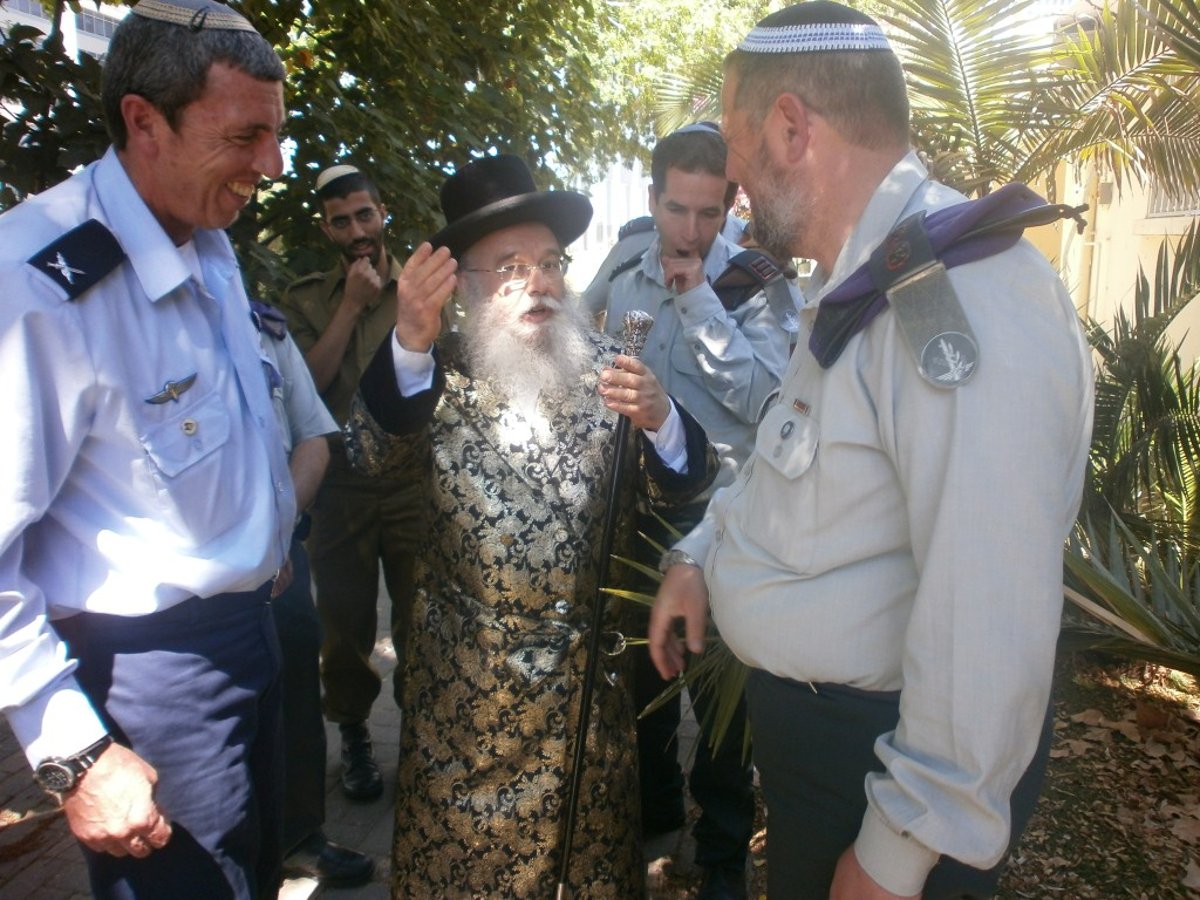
(515, 274)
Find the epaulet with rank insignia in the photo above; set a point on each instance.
(635, 226)
(746, 274)
(625, 266)
(307, 279)
(268, 320)
(78, 260)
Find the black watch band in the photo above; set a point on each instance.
(59, 775)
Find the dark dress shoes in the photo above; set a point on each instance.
(722, 884)
(360, 775)
(332, 865)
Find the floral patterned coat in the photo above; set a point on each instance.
(506, 583)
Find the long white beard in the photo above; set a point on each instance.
(523, 361)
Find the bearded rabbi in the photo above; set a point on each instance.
(510, 424)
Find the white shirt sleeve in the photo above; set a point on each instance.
(414, 371)
(670, 441)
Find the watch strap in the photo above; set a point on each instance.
(676, 557)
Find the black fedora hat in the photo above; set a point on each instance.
(498, 191)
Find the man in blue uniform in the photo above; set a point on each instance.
(148, 502)
(722, 354)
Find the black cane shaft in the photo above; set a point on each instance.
(637, 326)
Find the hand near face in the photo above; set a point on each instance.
(682, 595)
(426, 283)
(682, 273)
(631, 389)
(112, 810)
(362, 284)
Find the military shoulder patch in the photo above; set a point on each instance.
(635, 226)
(268, 320)
(905, 268)
(625, 266)
(78, 260)
(307, 279)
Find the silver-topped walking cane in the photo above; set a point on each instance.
(637, 326)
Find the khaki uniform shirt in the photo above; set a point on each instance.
(891, 535)
(309, 305)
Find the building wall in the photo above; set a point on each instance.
(1124, 234)
(87, 31)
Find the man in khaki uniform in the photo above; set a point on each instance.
(339, 318)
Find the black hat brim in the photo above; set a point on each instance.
(566, 213)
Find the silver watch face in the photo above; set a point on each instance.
(56, 776)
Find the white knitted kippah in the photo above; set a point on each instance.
(333, 173)
(195, 15)
(812, 38)
(813, 27)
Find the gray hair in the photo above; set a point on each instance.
(860, 93)
(168, 65)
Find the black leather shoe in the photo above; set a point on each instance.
(332, 865)
(360, 775)
(722, 884)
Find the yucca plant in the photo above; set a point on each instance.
(717, 671)
(996, 98)
(1133, 565)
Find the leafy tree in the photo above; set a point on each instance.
(996, 99)
(407, 90)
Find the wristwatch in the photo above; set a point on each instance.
(58, 775)
(676, 558)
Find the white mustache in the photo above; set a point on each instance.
(544, 302)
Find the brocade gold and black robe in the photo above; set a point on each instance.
(506, 582)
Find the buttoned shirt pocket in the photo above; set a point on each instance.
(683, 358)
(186, 465)
(782, 486)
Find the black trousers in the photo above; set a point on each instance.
(721, 781)
(813, 749)
(194, 691)
(299, 632)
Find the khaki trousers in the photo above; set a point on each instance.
(360, 523)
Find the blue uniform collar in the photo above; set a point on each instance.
(151, 253)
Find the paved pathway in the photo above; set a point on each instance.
(39, 859)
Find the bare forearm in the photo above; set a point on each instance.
(325, 356)
(308, 463)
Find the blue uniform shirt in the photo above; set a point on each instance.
(124, 491)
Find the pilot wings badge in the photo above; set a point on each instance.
(173, 390)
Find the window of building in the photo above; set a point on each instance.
(1163, 204)
(29, 7)
(95, 23)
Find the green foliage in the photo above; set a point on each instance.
(717, 671)
(995, 98)
(1133, 566)
(407, 90)
(651, 43)
(49, 113)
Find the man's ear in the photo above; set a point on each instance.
(144, 124)
(793, 125)
(652, 194)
